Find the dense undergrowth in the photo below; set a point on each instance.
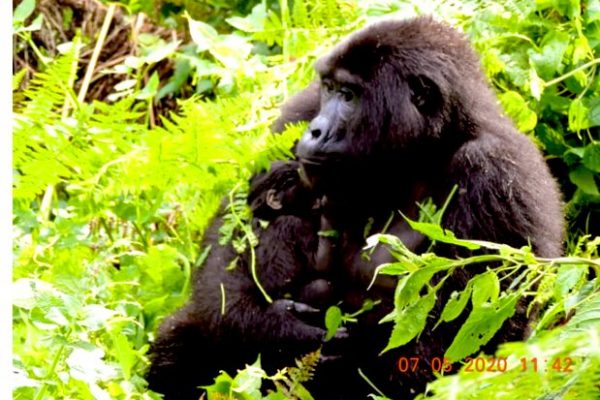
(109, 208)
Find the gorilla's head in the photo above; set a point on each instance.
(280, 191)
(394, 90)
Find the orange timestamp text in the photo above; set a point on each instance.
(483, 364)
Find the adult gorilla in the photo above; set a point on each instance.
(402, 113)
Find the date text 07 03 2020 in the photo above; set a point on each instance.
(485, 364)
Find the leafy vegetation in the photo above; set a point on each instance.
(110, 204)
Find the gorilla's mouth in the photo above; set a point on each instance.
(312, 171)
(321, 172)
(321, 160)
(314, 161)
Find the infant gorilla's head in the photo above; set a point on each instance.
(281, 191)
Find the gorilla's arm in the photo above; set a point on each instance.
(231, 306)
(286, 253)
(503, 194)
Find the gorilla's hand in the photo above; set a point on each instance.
(286, 318)
(294, 307)
(294, 316)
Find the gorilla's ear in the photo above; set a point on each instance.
(273, 199)
(425, 94)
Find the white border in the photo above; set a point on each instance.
(5, 199)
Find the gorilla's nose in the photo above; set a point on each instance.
(315, 138)
(319, 127)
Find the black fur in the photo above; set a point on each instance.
(200, 340)
(405, 113)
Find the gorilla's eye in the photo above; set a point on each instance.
(347, 94)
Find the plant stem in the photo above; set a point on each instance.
(247, 236)
(571, 73)
(94, 59)
(141, 234)
(42, 391)
(70, 98)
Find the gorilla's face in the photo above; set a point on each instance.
(327, 139)
(368, 118)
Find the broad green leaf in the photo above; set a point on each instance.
(591, 157)
(552, 140)
(391, 240)
(437, 233)
(517, 108)
(231, 51)
(333, 320)
(87, 364)
(578, 151)
(491, 62)
(587, 314)
(411, 321)
(544, 4)
(57, 316)
(35, 25)
(179, 78)
(125, 354)
(204, 35)
(23, 10)
(584, 179)
(548, 62)
(536, 84)
(248, 381)
(572, 8)
(125, 84)
(28, 292)
(568, 276)
(481, 325)
(150, 89)
(486, 288)
(409, 287)
(594, 114)
(255, 22)
(242, 24)
(95, 317)
(592, 11)
(397, 268)
(578, 115)
(159, 51)
(204, 67)
(456, 304)
(222, 385)
(581, 50)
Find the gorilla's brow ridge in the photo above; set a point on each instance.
(342, 75)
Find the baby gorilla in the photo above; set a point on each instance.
(228, 322)
(290, 244)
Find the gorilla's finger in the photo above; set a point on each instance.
(301, 308)
(293, 307)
